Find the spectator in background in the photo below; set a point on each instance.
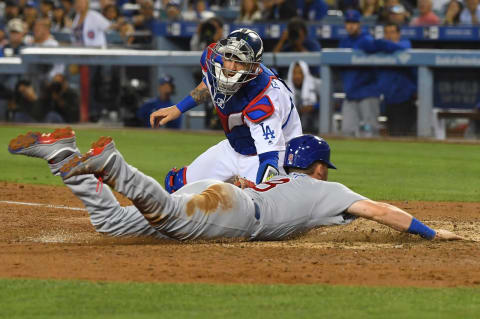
(89, 26)
(3, 40)
(305, 88)
(452, 12)
(173, 11)
(60, 21)
(398, 86)
(104, 3)
(249, 12)
(471, 13)
(345, 5)
(397, 15)
(16, 34)
(29, 15)
(312, 10)
(361, 106)
(68, 8)
(110, 11)
(281, 10)
(24, 107)
(21, 5)
(208, 32)
(370, 8)
(127, 32)
(60, 102)
(199, 12)
(11, 11)
(384, 16)
(296, 39)
(43, 38)
(440, 5)
(427, 16)
(144, 20)
(166, 88)
(46, 8)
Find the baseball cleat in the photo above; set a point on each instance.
(98, 160)
(44, 145)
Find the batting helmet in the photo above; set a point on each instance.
(303, 150)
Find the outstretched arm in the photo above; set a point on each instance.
(199, 95)
(398, 219)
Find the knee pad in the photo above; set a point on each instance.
(175, 179)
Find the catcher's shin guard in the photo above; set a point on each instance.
(175, 179)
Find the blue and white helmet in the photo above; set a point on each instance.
(243, 46)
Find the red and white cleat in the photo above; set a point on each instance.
(44, 145)
(97, 160)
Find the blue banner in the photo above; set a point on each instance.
(274, 30)
(453, 89)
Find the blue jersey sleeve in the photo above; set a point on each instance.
(390, 46)
(367, 44)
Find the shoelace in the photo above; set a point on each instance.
(99, 184)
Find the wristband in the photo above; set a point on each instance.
(418, 228)
(186, 104)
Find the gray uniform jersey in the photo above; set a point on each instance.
(288, 205)
(284, 206)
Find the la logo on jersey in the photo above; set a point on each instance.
(268, 133)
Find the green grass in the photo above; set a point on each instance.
(80, 299)
(381, 170)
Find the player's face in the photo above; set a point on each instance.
(321, 172)
(352, 28)
(297, 76)
(232, 64)
(391, 33)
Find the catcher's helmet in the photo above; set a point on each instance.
(242, 46)
(303, 150)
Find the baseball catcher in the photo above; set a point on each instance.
(255, 108)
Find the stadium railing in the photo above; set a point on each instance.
(425, 60)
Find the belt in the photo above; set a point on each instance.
(257, 211)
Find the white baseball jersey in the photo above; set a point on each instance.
(94, 27)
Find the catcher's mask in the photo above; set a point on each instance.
(244, 49)
(306, 149)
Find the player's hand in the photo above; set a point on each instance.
(442, 234)
(242, 182)
(163, 116)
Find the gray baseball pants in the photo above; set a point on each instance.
(360, 117)
(159, 214)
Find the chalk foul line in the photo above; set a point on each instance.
(41, 205)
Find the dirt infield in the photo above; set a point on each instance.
(51, 242)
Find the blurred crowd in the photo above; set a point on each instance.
(50, 23)
(128, 16)
(86, 23)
